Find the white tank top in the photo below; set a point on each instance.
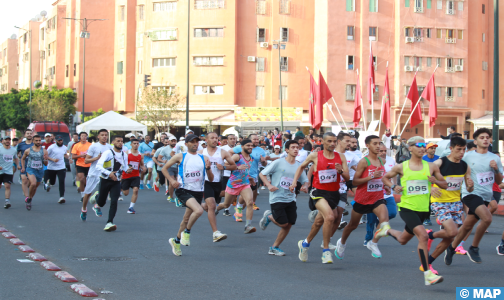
(191, 172)
(215, 159)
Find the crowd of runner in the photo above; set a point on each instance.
(212, 173)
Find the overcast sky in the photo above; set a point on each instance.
(19, 12)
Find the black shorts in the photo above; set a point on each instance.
(6, 178)
(161, 178)
(84, 170)
(213, 190)
(496, 196)
(344, 197)
(224, 181)
(333, 198)
(364, 209)
(298, 188)
(284, 213)
(413, 218)
(183, 195)
(473, 202)
(254, 187)
(131, 182)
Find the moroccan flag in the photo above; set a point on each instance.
(325, 93)
(429, 94)
(357, 114)
(314, 95)
(386, 103)
(416, 116)
(371, 77)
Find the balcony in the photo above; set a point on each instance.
(449, 99)
(450, 70)
(419, 9)
(450, 11)
(418, 39)
(209, 4)
(451, 40)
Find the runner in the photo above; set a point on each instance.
(180, 147)
(21, 148)
(15, 166)
(239, 185)
(132, 179)
(282, 200)
(159, 163)
(193, 168)
(32, 161)
(416, 176)
(213, 188)
(79, 152)
(73, 166)
(48, 141)
(146, 149)
(128, 144)
(324, 196)
(7, 157)
(56, 167)
(486, 168)
(111, 165)
(231, 143)
(368, 198)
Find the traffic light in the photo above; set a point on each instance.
(146, 80)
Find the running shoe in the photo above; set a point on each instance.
(97, 210)
(28, 203)
(345, 212)
(365, 242)
(178, 203)
(460, 250)
(340, 250)
(256, 207)
(326, 257)
(430, 268)
(131, 210)
(473, 254)
(110, 227)
(382, 231)
(61, 200)
(73, 183)
(237, 217)
(375, 252)
(44, 185)
(47, 186)
(431, 278)
(239, 211)
(303, 252)
(258, 193)
(448, 256)
(120, 199)
(226, 213)
(363, 220)
(219, 236)
(312, 215)
(276, 251)
(500, 249)
(342, 225)
(81, 199)
(263, 188)
(83, 215)
(249, 229)
(173, 200)
(427, 222)
(7, 204)
(92, 199)
(185, 240)
(175, 247)
(141, 186)
(265, 220)
(156, 186)
(167, 192)
(148, 186)
(331, 246)
(169, 199)
(429, 241)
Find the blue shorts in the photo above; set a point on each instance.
(38, 173)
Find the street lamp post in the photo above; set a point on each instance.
(30, 37)
(279, 46)
(495, 125)
(188, 62)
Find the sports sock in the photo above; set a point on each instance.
(431, 235)
(431, 259)
(187, 230)
(248, 222)
(461, 244)
(132, 205)
(84, 210)
(325, 250)
(82, 194)
(239, 205)
(6, 200)
(141, 181)
(305, 243)
(177, 240)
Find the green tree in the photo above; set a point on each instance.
(14, 110)
(95, 114)
(53, 104)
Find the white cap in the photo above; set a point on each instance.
(47, 134)
(277, 146)
(202, 142)
(182, 138)
(172, 138)
(190, 130)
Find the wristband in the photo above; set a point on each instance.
(372, 176)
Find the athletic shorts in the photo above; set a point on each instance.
(6, 178)
(497, 196)
(332, 198)
(173, 172)
(413, 218)
(284, 213)
(38, 173)
(84, 170)
(445, 211)
(149, 164)
(473, 202)
(161, 178)
(254, 187)
(213, 190)
(224, 181)
(365, 209)
(91, 184)
(237, 191)
(344, 198)
(131, 182)
(183, 195)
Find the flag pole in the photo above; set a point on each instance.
(402, 109)
(330, 109)
(372, 90)
(362, 106)
(343, 120)
(381, 111)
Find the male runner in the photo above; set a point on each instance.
(7, 157)
(161, 180)
(15, 166)
(21, 148)
(56, 167)
(324, 196)
(486, 168)
(162, 156)
(79, 152)
(368, 198)
(132, 179)
(416, 177)
(146, 149)
(73, 166)
(193, 167)
(283, 211)
(32, 161)
(231, 143)
(48, 141)
(213, 188)
(110, 166)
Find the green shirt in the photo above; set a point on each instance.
(416, 188)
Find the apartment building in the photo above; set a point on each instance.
(28, 47)
(52, 46)
(8, 65)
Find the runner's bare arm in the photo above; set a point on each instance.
(23, 159)
(468, 180)
(230, 163)
(498, 175)
(438, 162)
(310, 173)
(361, 167)
(89, 159)
(396, 170)
(346, 172)
(208, 169)
(437, 178)
(267, 183)
(311, 158)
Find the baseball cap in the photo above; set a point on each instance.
(203, 142)
(190, 130)
(172, 138)
(431, 145)
(6, 138)
(59, 138)
(181, 138)
(191, 137)
(288, 131)
(277, 146)
(47, 134)
(202, 135)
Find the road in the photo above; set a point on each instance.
(135, 262)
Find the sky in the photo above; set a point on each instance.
(19, 12)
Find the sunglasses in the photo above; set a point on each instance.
(421, 145)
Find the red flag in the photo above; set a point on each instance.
(314, 95)
(429, 94)
(416, 116)
(325, 93)
(357, 114)
(371, 77)
(386, 103)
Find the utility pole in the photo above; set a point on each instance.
(495, 123)
(280, 45)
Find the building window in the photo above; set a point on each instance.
(350, 5)
(350, 91)
(450, 7)
(259, 92)
(460, 5)
(75, 70)
(406, 61)
(482, 94)
(429, 32)
(208, 32)
(119, 67)
(449, 92)
(438, 33)
(284, 34)
(141, 12)
(140, 67)
(285, 7)
(164, 35)
(439, 4)
(449, 33)
(419, 6)
(349, 63)
(139, 40)
(483, 8)
(460, 34)
(165, 6)
(373, 5)
(459, 92)
(406, 90)
(418, 34)
(282, 93)
(438, 91)
(460, 61)
(260, 64)
(261, 35)
(406, 3)
(483, 37)
(429, 61)
(449, 65)
(373, 33)
(420, 89)
(407, 32)
(121, 13)
(208, 60)
(42, 33)
(164, 62)
(284, 63)
(260, 7)
(417, 62)
(438, 61)
(485, 66)
(121, 41)
(66, 71)
(350, 32)
(376, 93)
(206, 89)
(429, 4)
(209, 4)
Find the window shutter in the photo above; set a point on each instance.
(372, 5)
(439, 4)
(406, 3)
(460, 5)
(429, 4)
(349, 5)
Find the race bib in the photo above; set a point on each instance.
(454, 183)
(36, 164)
(485, 178)
(7, 158)
(286, 182)
(327, 176)
(342, 186)
(417, 187)
(192, 176)
(135, 164)
(213, 163)
(375, 185)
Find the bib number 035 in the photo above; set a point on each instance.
(417, 187)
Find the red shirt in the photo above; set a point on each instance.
(371, 191)
(496, 188)
(46, 145)
(133, 160)
(278, 140)
(326, 177)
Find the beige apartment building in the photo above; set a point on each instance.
(28, 47)
(8, 65)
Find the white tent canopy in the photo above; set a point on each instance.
(112, 121)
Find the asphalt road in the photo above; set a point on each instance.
(135, 262)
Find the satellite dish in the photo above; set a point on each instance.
(36, 83)
(13, 37)
(43, 13)
(38, 17)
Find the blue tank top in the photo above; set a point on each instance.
(36, 159)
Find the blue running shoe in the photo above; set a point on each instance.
(97, 211)
(141, 186)
(427, 222)
(83, 216)
(131, 211)
(177, 203)
(148, 186)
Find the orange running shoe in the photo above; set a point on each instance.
(256, 207)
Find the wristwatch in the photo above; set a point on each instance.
(372, 176)
(393, 186)
(224, 167)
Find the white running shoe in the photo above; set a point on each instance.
(303, 252)
(375, 252)
(327, 257)
(61, 200)
(431, 278)
(340, 250)
(331, 246)
(92, 200)
(219, 236)
(120, 199)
